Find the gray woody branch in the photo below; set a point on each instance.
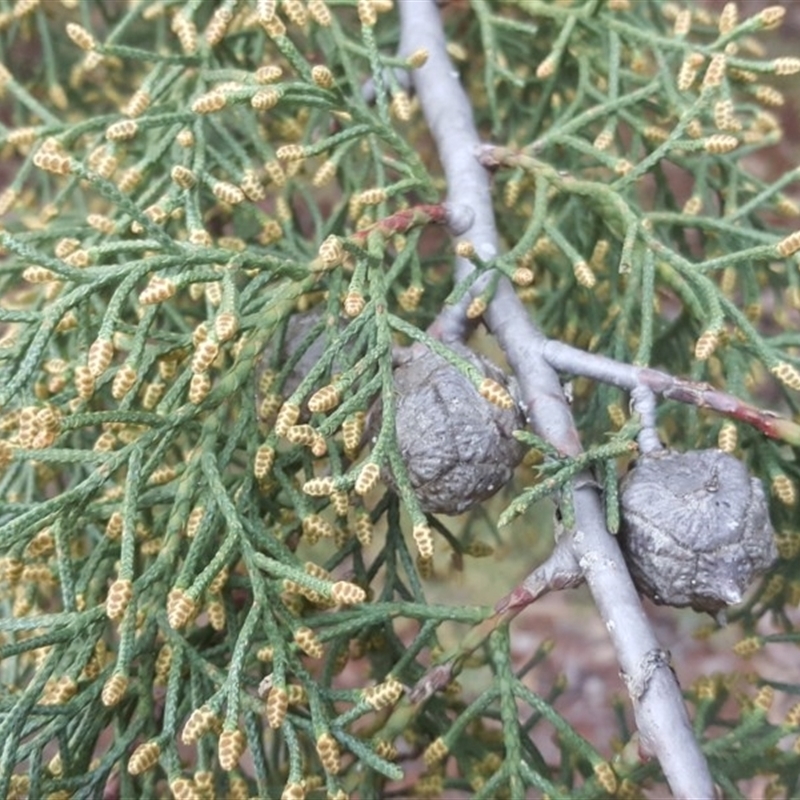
(660, 714)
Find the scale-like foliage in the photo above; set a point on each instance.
(218, 219)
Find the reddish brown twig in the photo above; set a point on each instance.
(566, 358)
(458, 217)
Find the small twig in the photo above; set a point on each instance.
(565, 358)
(660, 712)
(400, 76)
(457, 216)
(559, 571)
(644, 401)
(450, 664)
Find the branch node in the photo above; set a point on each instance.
(430, 683)
(559, 571)
(651, 661)
(459, 217)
